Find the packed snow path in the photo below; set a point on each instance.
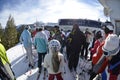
(17, 57)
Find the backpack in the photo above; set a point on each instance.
(3, 73)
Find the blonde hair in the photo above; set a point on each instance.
(55, 59)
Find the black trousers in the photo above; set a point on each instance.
(40, 59)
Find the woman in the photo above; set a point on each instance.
(54, 61)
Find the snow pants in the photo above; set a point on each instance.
(40, 59)
(9, 71)
(73, 61)
(30, 55)
(58, 76)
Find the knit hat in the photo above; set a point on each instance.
(55, 44)
(111, 46)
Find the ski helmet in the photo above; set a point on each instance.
(108, 27)
(55, 44)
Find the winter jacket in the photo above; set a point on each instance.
(41, 42)
(75, 40)
(3, 55)
(48, 63)
(114, 65)
(94, 49)
(26, 38)
(98, 56)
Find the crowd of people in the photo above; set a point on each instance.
(102, 45)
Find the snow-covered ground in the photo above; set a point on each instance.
(17, 57)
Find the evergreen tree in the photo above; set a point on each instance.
(1, 32)
(10, 33)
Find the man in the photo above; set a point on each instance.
(111, 50)
(75, 41)
(40, 44)
(26, 39)
(97, 57)
(5, 64)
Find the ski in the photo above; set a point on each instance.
(29, 71)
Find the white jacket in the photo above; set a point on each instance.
(48, 63)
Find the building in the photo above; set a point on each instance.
(66, 24)
(112, 10)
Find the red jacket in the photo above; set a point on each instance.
(99, 55)
(94, 49)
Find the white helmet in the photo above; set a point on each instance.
(54, 44)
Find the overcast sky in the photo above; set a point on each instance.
(28, 11)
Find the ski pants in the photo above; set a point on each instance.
(29, 55)
(9, 71)
(58, 76)
(73, 61)
(40, 59)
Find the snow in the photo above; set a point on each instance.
(17, 57)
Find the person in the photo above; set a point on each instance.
(34, 32)
(41, 43)
(92, 44)
(26, 39)
(99, 56)
(58, 36)
(47, 33)
(74, 43)
(6, 72)
(111, 50)
(98, 40)
(54, 61)
(88, 40)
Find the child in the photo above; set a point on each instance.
(54, 61)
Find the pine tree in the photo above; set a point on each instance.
(10, 33)
(1, 32)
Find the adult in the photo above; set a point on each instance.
(88, 36)
(74, 42)
(98, 40)
(111, 50)
(58, 36)
(26, 39)
(99, 56)
(54, 61)
(5, 65)
(41, 43)
(47, 33)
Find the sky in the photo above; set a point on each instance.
(30, 11)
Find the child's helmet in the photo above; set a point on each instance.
(55, 44)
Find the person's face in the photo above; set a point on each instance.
(109, 58)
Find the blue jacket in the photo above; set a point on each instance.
(41, 42)
(26, 38)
